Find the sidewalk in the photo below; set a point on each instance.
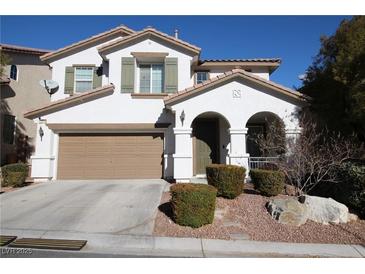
(131, 245)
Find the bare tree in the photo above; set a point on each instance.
(311, 158)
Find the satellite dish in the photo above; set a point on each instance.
(50, 85)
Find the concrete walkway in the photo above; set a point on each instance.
(109, 245)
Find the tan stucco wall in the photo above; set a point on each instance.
(22, 95)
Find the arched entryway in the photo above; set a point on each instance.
(210, 140)
(270, 128)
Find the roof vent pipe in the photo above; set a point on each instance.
(176, 33)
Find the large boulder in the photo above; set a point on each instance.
(288, 211)
(325, 210)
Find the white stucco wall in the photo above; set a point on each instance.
(115, 108)
(184, 63)
(237, 110)
(88, 55)
(122, 108)
(258, 71)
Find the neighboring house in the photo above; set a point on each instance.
(143, 105)
(20, 90)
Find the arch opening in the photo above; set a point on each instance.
(266, 132)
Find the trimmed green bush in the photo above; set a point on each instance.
(14, 174)
(16, 179)
(268, 182)
(350, 190)
(228, 179)
(193, 204)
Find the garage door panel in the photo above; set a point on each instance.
(116, 156)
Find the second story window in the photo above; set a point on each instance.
(14, 72)
(201, 76)
(83, 78)
(151, 78)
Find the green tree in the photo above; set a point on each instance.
(336, 80)
(4, 61)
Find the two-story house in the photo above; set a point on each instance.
(20, 90)
(142, 104)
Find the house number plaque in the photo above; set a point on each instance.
(236, 93)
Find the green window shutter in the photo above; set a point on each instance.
(127, 79)
(97, 77)
(171, 77)
(69, 80)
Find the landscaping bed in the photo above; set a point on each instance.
(246, 217)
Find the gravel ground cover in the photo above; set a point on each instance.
(247, 218)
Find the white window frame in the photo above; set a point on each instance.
(201, 71)
(83, 80)
(151, 64)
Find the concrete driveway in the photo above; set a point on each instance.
(117, 207)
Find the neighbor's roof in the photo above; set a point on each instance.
(20, 49)
(147, 32)
(232, 74)
(119, 29)
(255, 60)
(70, 101)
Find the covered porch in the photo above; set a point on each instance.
(218, 121)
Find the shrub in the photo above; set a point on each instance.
(193, 204)
(350, 190)
(268, 182)
(16, 179)
(228, 179)
(14, 174)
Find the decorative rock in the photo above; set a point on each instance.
(288, 211)
(326, 210)
(353, 217)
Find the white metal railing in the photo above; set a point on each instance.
(261, 162)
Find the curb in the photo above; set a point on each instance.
(139, 245)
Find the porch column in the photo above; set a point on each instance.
(183, 157)
(44, 156)
(291, 135)
(237, 153)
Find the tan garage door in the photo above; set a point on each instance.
(110, 156)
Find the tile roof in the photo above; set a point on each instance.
(152, 31)
(81, 43)
(229, 75)
(271, 60)
(21, 49)
(74, 99)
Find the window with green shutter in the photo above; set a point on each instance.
(171, 75)
(69, 80)
(127, 77)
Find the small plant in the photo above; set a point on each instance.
(228, 179)
(193, 204)
(268, 182)
(14, 174)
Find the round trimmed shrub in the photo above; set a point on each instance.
(14, 174)
(193, 204)
(268, 182)
(16, 179)
(228, 179)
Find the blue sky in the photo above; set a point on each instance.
(295, 39)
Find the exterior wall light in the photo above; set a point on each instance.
(182, 117)
(41, 133)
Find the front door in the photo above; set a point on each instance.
(205, 142)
